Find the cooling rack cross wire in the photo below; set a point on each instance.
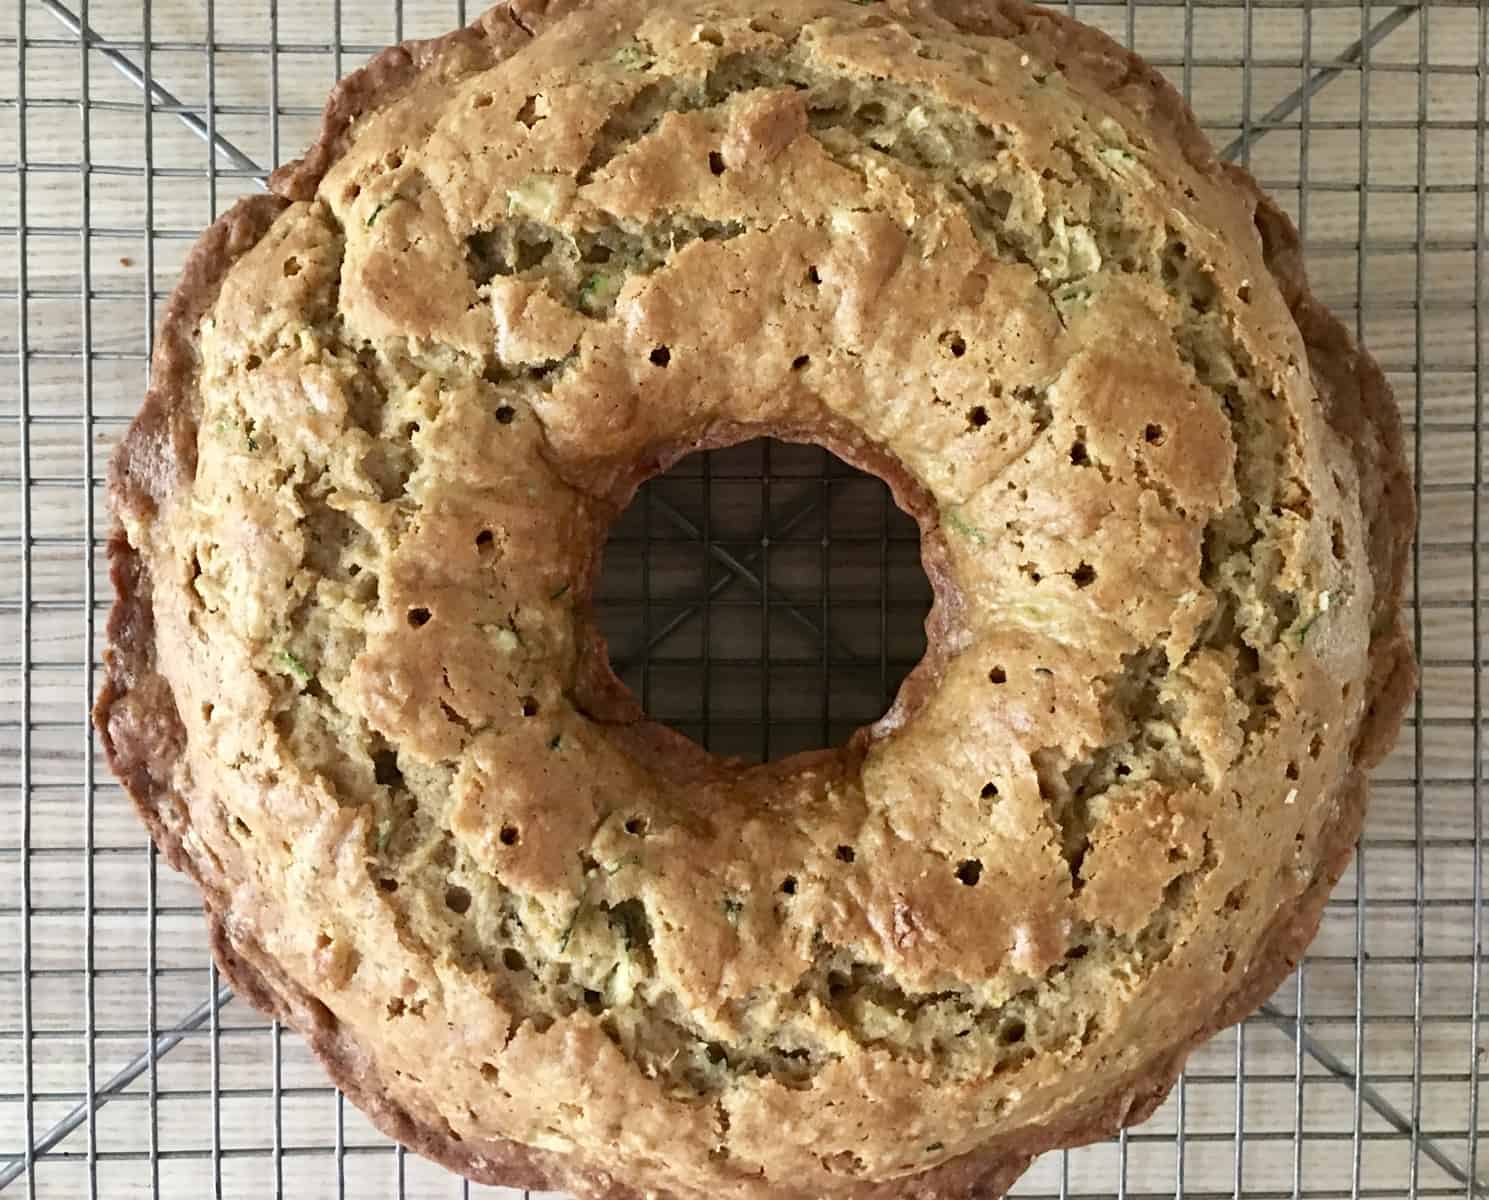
(135, 123)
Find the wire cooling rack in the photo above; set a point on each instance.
(763, 599)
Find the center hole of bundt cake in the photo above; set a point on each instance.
(764, 599)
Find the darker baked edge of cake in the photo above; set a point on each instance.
(142, 734)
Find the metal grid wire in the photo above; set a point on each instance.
(763, 599)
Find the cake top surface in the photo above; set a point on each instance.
(978, 251)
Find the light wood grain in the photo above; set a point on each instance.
(1374, 261)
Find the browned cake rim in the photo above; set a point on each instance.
(142, 735)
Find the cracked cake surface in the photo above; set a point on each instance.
(356, 688)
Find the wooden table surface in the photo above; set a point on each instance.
(1396, 259)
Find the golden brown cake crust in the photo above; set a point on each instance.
(146, 738)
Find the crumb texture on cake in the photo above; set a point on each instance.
(357, 690)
